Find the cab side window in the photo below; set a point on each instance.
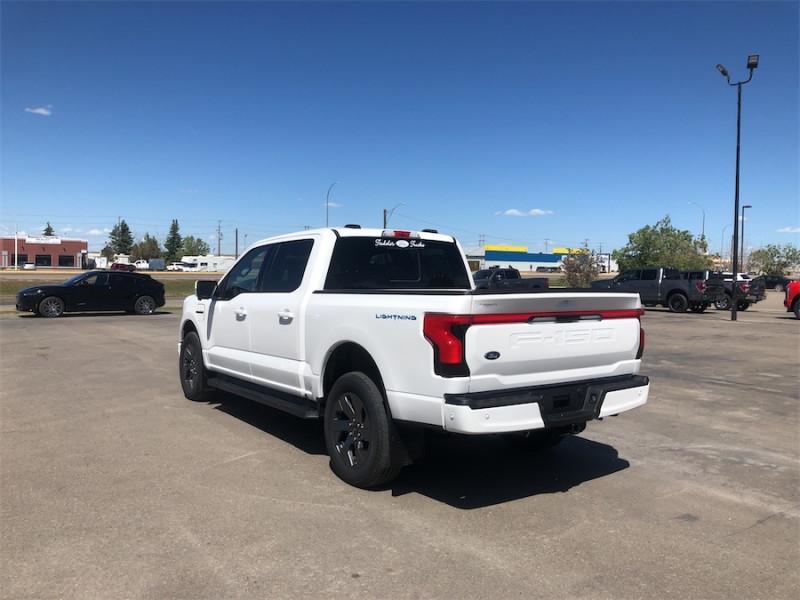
(245, 276)
(96, 279)
(649, 274)
(285, 273)
(630, 275)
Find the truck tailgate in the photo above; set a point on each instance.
(518, 340)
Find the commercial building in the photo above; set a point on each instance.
(519, 258)
(43, 251)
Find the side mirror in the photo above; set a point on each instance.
(204, 289)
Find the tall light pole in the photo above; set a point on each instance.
(387, 214)
(752, 63)
(743, 244)
(703, 229)
(328, 202)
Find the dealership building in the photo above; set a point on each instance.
(43, 251)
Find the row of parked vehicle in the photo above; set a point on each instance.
(680, 291)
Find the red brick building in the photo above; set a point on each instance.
(44, 251)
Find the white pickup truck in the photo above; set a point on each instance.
(382, 333)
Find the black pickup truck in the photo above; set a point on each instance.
(659, 285)
(498, 279)
(719, 288)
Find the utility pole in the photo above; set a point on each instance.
(385, 217)
(245, 241)
(237, 242)
(387, 214)
(219, 237)
(546, 245)
(481, 240)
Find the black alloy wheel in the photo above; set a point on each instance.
(677, 303)
(723, 302)
(191, 369)
(357, 432)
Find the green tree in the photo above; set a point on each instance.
(108, 252)
(146, 249)
(193, 246)
(121, 238)
(580, 267)
(173, 243)
(773, 259)
(48, 229)
(662, 245)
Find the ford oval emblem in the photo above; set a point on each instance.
(491, 355)
(402, 244)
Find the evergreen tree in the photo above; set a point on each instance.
(48, 230)
(121, 238)
(174, 242)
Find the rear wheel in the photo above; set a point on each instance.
(698, 307)
(357, 432)
(778, 287)
(51, 307)
(723, 302)
(677, 303)
(144, 305)
(742, 305)
(796, 309)
(192, 371)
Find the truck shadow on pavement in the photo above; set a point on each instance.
(462, 471)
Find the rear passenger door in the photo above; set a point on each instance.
(649, 286)
(276, 323)
(122, 292)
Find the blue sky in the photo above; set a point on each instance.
(603, 117)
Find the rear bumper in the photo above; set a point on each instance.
(540, 407)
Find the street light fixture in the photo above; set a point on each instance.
(703, 230)
(328, 202)
(387, 214)
(752, 63)
(743, 244)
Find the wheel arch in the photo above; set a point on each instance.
(350, 356)
(188, 327)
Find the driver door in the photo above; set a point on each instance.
(230, 310)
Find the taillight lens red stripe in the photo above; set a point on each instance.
(525, 317)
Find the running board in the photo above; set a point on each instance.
(294, 405)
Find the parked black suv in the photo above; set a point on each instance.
(719, 288)
(659, 285)
(94, 291)
(496, 278)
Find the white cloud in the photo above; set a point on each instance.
(534, 212)
(96, 231)
(332, 204)
(789, 230)
(44, 111)
(69, 229)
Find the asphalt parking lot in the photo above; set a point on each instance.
(115, 486)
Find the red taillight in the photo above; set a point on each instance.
(744, 286)
(446, 335)
(701, 286)
(401, 234)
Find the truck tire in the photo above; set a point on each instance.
(358, 432)
(192, 371)
(698, 307)
(742, 305)
(723, 302)
(796, 308)
(677, 303)
(778, 287)
(534, 441)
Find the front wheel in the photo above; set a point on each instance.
(677, 303)
(192, 371)
(742, 305)
(357, 432)
(778, 287)
(51, 307)
(698, 307)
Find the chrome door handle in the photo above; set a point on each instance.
(286, 316)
